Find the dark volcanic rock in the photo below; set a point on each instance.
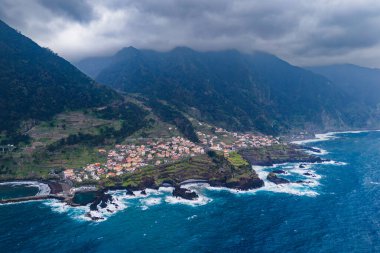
(106, 198)
(101, 200)
(148, 182)
(184, 193)
(277, 180)
(245, 184)
(94, 206)
(303, 182)
(302, 166)
(308, 174)
(93, 217)
(129, 192)
(55, 187)
(279, 171)
(143, 192)
(267, 156)
(217, 183)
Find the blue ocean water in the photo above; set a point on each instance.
(337, 211)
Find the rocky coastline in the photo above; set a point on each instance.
(226, 174)
(279, 154)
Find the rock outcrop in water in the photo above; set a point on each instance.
(245, 183)
(272, 177)
(184, 193)
(279, 171)
(101, 199)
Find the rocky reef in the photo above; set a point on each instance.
(101, 200)
(184, 193)
(272, 177)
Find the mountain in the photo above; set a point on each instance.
(36, 84)
(94, 65)
(230, 89)
(360, 82)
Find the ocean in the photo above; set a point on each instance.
(336, 208)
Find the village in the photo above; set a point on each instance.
(127, 158)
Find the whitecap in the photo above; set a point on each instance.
(319, 153)
(336, 163)
(301, 189)
(200, 201)
(147, 202)
(330, 136)
(192, 217)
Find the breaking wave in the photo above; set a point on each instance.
(330, 136)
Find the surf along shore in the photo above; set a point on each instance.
(213, 168)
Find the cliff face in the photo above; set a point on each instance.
(212, 168)
(267, 156)
(234, 171)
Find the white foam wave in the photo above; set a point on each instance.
(332, 162)
(77, 213)
(320, 151)
(307, 187)
(290, 188)
(307, 173)
(200, 201)
(192, 217)
(166, 189)
(318, 138)
(120, 201)
(147, 202)
(330, 136)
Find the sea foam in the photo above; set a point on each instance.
(330, 136)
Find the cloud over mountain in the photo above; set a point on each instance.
(301, 31)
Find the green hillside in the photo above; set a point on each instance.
(36, 84)
(233, 90)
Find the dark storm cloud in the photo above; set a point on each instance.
(73, 9)
(302, 31)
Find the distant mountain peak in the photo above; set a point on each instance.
(182, 49)
(230, 89)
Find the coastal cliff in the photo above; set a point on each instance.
(276, 154)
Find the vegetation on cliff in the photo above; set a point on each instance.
(36, 84)
(229, 89)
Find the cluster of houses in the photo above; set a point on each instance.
(236, 141)
(127, 158)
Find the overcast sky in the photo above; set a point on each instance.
(307, 32)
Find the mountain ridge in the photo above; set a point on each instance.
(358, 81)
(233, 90)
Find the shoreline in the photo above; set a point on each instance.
(318, 137)
(64, 191)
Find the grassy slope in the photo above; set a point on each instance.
(212, 167)
(34, 159)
